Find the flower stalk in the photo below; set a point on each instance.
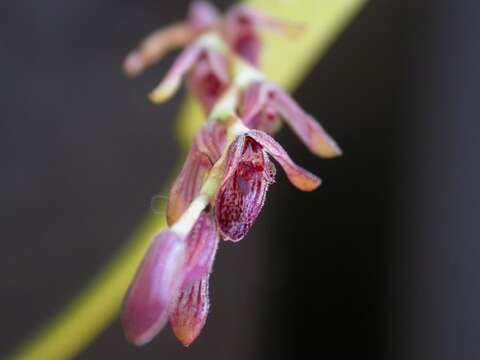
(93, 309)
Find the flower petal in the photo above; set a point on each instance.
(298, 176)
(202, 15)
(208, 78)
(169, 85)
(253, 101)
(205, 151)
(202, 244)
(305, 126)
(190, 312)
(234, 155)
(156, 45)
(212, 139)
(147, 304)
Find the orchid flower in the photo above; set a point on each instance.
(264, 103)
(239, 27)
(248, 174)
(206, 71)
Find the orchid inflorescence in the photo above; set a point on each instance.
(222, 185)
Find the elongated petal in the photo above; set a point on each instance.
(235, 152)
(241, 196)
(205, 151)
(305, 126)
(156, 45)
(202, 244)
(157, 282)
(173, 79)
(203, 15)
(298, 176)
(190, 312)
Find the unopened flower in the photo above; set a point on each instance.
(148, 302)
(172, 283)
(248, 174)
(190, 309)
(264, 104)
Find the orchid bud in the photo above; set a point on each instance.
(191, 308)
(190, 312)
(157, 282)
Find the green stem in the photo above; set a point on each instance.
(97, 306)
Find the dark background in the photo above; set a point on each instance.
(381, 263)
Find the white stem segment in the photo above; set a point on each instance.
(185, 223)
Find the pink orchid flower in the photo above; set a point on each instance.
(206, 71)
(264, 104)
(248, 174)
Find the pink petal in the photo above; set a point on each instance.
(182, 65)
(203, 15)
(218, 65)
(147, 304)
(298, 176)
(253, 101)
(212, 139)
(202, 244)
(187, 185)
(241, 196)
(305, 126)
(156, 45)
(208, 78)
(205, 151)
(235, 152)
(190, 312)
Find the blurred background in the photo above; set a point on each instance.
(382, 262)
